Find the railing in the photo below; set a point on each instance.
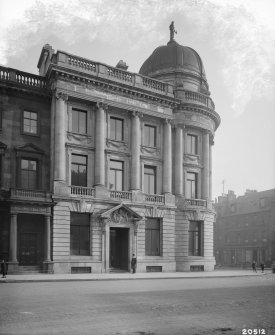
(82, 191)
(23, 78)
(120, 74)
(195, 202)
(82, 63)
(114, 73)
(199, 98)
(159, 199)
(24, 193)
(121, 195)
(154, 84)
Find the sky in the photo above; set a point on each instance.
(235, 39)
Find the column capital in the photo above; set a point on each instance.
(102, 105)
(61, 95)
(137, 113)
(168, 121)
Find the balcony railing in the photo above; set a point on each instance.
(195, 202)
(105, 71)
(198, 98)
(82, 191)
(158, 199)
(121, 195)
(23, 78)
(20, 193)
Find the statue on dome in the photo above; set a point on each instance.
(172, 31)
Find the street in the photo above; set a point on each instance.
(140, 307)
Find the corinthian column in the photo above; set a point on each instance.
(179, 162)
(167, 158)
(135, 166)
(210, 167)
(100, 146)
(205, 176)
(60, 137)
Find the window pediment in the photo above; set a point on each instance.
(30, 149)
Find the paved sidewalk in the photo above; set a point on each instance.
(20, 278)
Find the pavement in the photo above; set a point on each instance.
(45, 277)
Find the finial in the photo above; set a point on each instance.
(172, 31)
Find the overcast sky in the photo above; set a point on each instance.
(235, 39)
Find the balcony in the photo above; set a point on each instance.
(121, 195)
(81, 191)
(195, 203)
(155, 198)
(29, 195)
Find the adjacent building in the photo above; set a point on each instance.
(98, 163)
(245, 228)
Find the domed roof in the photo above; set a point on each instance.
(171, 57)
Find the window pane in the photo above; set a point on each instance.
(28, 174)
(74, 121)
(27, 114)
(152, 237)
(34, 116)
(80, 234)
(149, 180)
(116, 129)
(82, 122)
(119, 181)
(79, 159)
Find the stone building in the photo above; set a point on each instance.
(244, 230)
(98, 163)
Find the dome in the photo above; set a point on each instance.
(178, 65)
(173, 56)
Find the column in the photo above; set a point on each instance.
(13, 238)
(167, 158)
(205, 175)
(210, 167)
(60, 137)
(47, 255)
(135, 163)
(100, 146)
(179, 161)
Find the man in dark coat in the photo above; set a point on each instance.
(4, 268)
(134, 263)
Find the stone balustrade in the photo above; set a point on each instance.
(121, 195)
(198, 98)
(155, 198)
(23, 78)
(195, 202)
(112, 73)
(19, 193)
(82, 191)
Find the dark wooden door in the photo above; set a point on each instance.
(119, 248)
(28, 249)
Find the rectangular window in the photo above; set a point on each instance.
(192, 144)
(195, 238)
(149, 136)
(80, 234)
(28, 176)
(152, 237)
(116, 129)
(30, 122)
(79, 170)
(116, 176)
(79, 121)
(150, 179)
(191, 185)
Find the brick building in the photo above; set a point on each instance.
(244, 230)
(98, 163)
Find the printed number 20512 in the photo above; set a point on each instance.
(253, 331)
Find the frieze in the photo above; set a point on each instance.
(81, 207)
(191, 159)
(31, 209)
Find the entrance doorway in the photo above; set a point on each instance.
(119, 248)
(30, 239)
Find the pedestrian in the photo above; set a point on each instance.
(134, 263)
(4, 268)
(262, 267)
(254, 268)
